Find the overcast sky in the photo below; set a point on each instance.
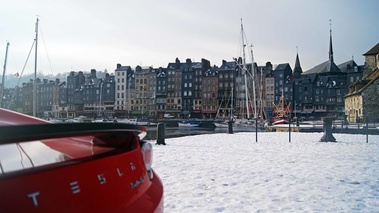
(82, 35)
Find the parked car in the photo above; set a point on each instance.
(75, 167)
(168, 116)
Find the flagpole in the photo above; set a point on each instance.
(3, 78)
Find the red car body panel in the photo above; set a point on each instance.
(76, 174)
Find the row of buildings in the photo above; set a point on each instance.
(197, 89)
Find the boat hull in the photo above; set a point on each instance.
(189, 124)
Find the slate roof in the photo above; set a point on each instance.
(373, 51)
(231, 65)
(211, 72)
(123, 68)
(366, 83)
(347, 66)
(332, 81)
(306, 78)
(282, 66)
(197, 65)
(325, 67)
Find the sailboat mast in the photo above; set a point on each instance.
(35, 73)
(244, 69)
(253, 70)
(3, 78)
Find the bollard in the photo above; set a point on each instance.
(366, 129)
(256, 129)
(230, 127)
(328, 136)
(161, 134)
(289, 130)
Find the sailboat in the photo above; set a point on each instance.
(224, 123)
(245, 104)
(281, 112)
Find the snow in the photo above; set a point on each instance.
(233, 173)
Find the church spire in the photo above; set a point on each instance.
(331, 59)
(331, 67)
(297, 70)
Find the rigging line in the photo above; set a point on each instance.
(22, 72)
(14, 62)
(47, 55)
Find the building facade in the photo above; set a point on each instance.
(362, 99)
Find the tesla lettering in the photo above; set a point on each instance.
(119, 172)
(75, 187)
(101, 178)
(34, 197)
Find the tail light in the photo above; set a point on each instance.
(143, 133)
(147, 152)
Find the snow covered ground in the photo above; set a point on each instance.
(232, 173)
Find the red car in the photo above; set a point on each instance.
(75, 167)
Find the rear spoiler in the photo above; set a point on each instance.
(29, 132)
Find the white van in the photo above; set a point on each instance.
(168, 116)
